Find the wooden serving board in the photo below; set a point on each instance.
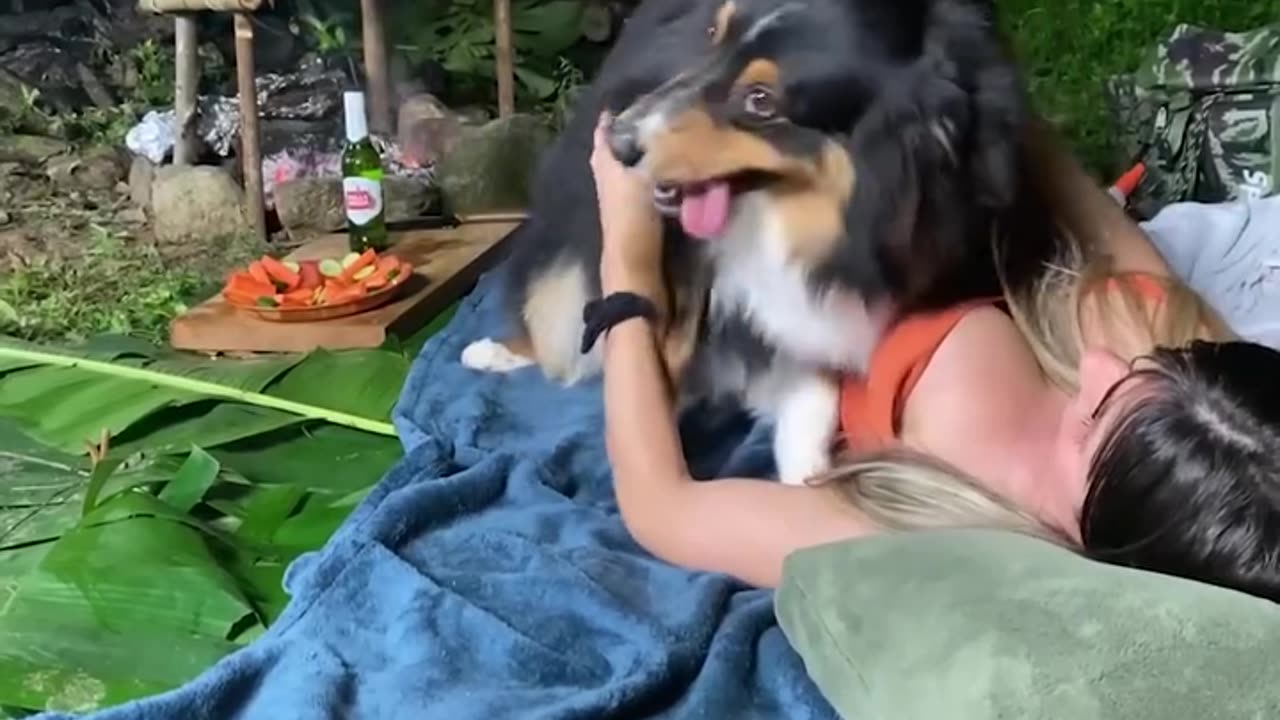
(446, 263)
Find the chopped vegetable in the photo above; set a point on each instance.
(278, 271)
(365, 259)
(310, 273)
(259, 273)
(272, 283)
(330, 268)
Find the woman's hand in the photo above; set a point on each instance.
(630, 227)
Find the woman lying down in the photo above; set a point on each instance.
(1106, 409)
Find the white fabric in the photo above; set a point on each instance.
(1230, 254)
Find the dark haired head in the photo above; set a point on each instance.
(1187, 479)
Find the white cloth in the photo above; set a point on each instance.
(1230, 254)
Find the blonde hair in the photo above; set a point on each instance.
(905, 490)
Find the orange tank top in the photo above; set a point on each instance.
(871, 405)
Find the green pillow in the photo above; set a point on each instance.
(977, 625)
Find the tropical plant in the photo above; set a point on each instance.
(150, 502)
(460, 36)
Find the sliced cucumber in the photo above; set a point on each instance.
(295, 267)
(364, 272)
(393, 274)
(265, 301)
(349, 259)
(330, 268)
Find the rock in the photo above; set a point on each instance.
(312, 206)
(490, 167)
(309, 206)
(98, 169)
(132, 216)
(196, 203)
(5, 218)
(473, 115)
(426, 130)
(31, 149)
(17, 250)
(141, 174)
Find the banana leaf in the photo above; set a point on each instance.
(168, 544)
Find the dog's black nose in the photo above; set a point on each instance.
(625, 143)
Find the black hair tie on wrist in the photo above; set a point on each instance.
(603, 313)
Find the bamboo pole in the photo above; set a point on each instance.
(249, 133)
(503, 57)
(375, 65)
(161, 7)
(185, 89)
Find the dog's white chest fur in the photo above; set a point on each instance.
(757, 276)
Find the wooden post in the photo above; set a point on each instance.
(249, 135)
(375, 65)
(503, 56)
(185, 89)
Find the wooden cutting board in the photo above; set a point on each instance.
(446, 264)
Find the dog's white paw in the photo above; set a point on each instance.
(489, 356)
(795, 466)
(807, 417)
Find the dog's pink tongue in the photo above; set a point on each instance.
(704, 211)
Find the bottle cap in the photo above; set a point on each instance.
(353, 109)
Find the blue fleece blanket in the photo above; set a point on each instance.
(489, 576)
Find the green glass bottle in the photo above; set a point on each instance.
(362, 181)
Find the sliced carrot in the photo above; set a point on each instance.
(367, 258)
(382, 272)
(309, 272)
(259, 273)
(247, 285)
(279, 271)
(239, 298)
(345, 294)
(297, 298)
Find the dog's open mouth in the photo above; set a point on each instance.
(703, 207)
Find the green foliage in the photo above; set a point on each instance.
(460, 36)
(120, 286)
(1069, 47)
(127, 572)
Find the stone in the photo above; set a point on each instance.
(196, 204)
(98, 169)
(142, 173)
(313, 206)
(310, 206)
(132, 216)
(426, 130)
(30, 149)
(5, 218)
(490, 167)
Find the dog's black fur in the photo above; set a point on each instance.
(918, 94)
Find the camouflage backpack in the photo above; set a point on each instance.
(1203, 113)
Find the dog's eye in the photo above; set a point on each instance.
(760, 103)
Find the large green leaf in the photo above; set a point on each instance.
(171, 551)
(354, 381)
(72, 397)
(128, 604)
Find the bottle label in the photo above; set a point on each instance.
(362, 199)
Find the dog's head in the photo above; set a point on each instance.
(853, 117)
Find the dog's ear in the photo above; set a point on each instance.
(974, 100)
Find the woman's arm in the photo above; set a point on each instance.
(1086, 211)
(740, 527)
